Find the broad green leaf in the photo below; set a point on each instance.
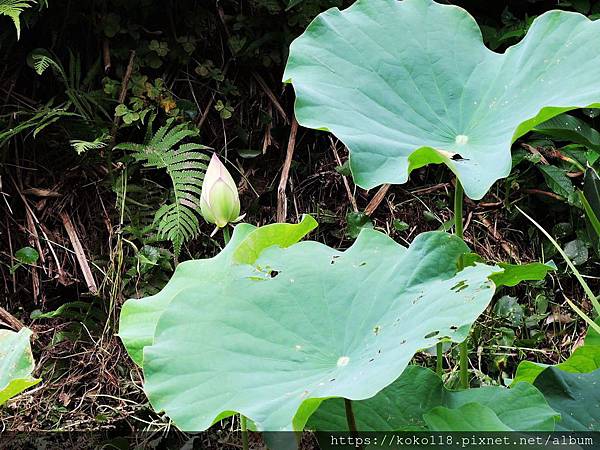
(557, 180)
(574, 395)
(409, 83)
(584, 359)
(281, 234)
(305, 323)
(27, 255)
(468, 417)
(356, 221)
(139, 317)
(402, 406)
(508, 308)
(16, 363)
(592, 337)
(572, 129)
(514, 274)
(577, 251)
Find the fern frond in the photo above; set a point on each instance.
(177, 222)
(13, 9)
(83, 146)
(186, 164)
(41, 63)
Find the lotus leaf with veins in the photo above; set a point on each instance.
(291, 326)
(408, 83)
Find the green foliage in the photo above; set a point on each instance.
(568, 128)
(13, 10)
(280, 234)
(356, 221)
(571, 264)
(364, 313)
(590, 199)
(36, 121)
(81, 146)
(447, 100)
(27, 255)
(574, 395)
(270, 326)
(418, 400)
(16, 363)
(557, 181)
(139, 317)
(514, 274)
(185, 164)
(584, 359)
(24, 256)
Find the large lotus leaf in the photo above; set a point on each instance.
(584, 359)
(576, 396)
(402, 406)
(16, 363)
(309, 322)
(138, 317)
(405, 84)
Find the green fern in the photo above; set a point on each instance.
(13, 9)
(186, 165)
(42, 62)
(81, 146)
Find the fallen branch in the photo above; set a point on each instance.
(271, 96)
(79, 252)
(122, 95)
(285, 173)
(377, 199)
(8, 319)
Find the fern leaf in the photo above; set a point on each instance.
(176, 222)
(83, 146)
(13, 9)
(186, 164)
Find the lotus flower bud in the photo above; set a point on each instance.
(219, 200)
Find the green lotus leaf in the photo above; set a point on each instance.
(305, 323)
(584, 359)
(138, 317)
(418, 399)
(16, 363)
(468, 417)
(281, 234)
(592, 338)
(409, 83)
(574, 395)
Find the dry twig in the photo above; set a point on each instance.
(79, 252)
(344, 178)
(285, 173)
(377, 199)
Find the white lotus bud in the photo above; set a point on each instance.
(219, 200)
